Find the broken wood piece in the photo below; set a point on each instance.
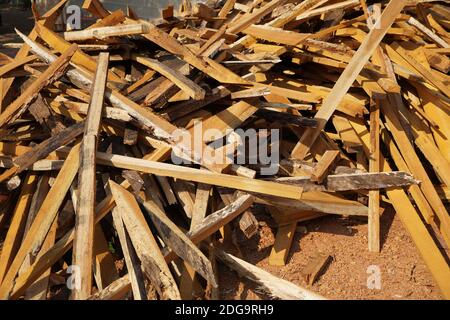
(315, 267)
(274, 286)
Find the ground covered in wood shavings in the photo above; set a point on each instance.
(403, 272)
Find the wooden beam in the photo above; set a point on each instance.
(184, 173)
(84, 224)
(374, 166)
(354, 181)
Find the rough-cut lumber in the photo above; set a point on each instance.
(163, 169)
(355, 181)
(145, 244)
(84, 224)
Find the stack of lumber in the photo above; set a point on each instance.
(96, 202)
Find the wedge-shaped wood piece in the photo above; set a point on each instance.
(44, 219)
(180, 243)
(349, 75)
(274, 286)
(315, 267)
(187, 85)
(145, 243)
(53, 72)
(184, 173)
(101, 33)
(84, 223)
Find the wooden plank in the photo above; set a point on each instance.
(184, 173)
(115, 291)
(354, 181)
(349, 75)
(145, 243)
(187, 85)
(38, 290)
(84, 224)
(374, 166)
(114, 18)
(43, 220)
(179, 242)
(104, 267)
(131, 259)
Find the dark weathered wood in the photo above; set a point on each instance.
(315, 267)
(355, 181)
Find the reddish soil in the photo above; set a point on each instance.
(403, 273)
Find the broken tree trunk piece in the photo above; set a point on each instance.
(274, 286)
(84, 224)
(349, 75)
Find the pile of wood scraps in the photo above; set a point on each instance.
(134, 153)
